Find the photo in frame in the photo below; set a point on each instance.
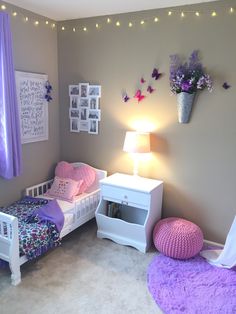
(74, 102)
(73, 90)
(94, 90)
(83, 89)
(93, 102)
(94, 114)
(84, 114)
(74, 125)
(75, 113)
(83, 126)
(93, 127)
(84, 102)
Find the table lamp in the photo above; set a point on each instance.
(136, 143)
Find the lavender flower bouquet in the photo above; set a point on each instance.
(188, 77)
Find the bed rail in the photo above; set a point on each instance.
(9, 238)
(38, 189)
(9, 245)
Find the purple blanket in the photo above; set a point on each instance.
(49, 212)
(36, 237)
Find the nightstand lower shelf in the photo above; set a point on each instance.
(127, 230)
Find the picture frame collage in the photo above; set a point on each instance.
(84, 111)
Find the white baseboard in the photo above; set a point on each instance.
(213, 243)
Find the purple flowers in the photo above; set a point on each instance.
(188, 77)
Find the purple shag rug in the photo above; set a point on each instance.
(191, 286)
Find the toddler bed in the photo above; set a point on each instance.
(16, 248)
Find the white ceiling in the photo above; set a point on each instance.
(72, 9)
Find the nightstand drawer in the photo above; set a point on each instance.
(125, 196)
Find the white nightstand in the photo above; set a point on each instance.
(136, 204)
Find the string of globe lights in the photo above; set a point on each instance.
(152, 19)
(133, 22)
(26, 19)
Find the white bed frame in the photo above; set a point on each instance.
(84, 210)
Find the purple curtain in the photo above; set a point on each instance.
(10, 141)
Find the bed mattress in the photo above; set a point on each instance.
(68, 208)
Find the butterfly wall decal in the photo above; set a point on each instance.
(142, 81)
(156, 74)
(48, 87)
(226, 85)
(138, 95)
(150, 89)
(126, 98)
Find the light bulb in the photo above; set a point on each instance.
(197, 13)
(213, 13)
(231, 10)
(169, 13)
(97, 25)
(182, 14)
(108, 20)
(53, 25)
(156, 19)
(142, 22)
(3, 7)
(130, 24)
(84, 29)
(14, 13)
(36, 23)
(117, 23)
(63, 28)
(26, 19)
(46, 22)
(73, 29)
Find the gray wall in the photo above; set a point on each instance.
(196, 160)
(35, 50)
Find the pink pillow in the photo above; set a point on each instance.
(64, 189)
(84, 172)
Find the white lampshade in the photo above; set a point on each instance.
(137, 142)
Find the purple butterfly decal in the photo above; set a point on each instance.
(48, 98)
(142, 81)
(126, 98)
(226, 85)
(48, 87)
(139, 95)
(156, 74)
(150, 89)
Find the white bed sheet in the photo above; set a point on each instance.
(67, 208)
(64, 205)
(68, 220)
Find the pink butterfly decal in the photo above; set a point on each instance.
(139, 95)
(150, 89)
(126, 98)
(155, 74)
(142, 81)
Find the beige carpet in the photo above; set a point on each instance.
(86, 275)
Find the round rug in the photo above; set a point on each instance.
(191, 286)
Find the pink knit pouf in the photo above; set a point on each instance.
(177, 238)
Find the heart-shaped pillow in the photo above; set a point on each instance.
(83, 172)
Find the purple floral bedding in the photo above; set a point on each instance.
(36, 237)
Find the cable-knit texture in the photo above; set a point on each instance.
(177, 238)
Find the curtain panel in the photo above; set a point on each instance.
(10, 140)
